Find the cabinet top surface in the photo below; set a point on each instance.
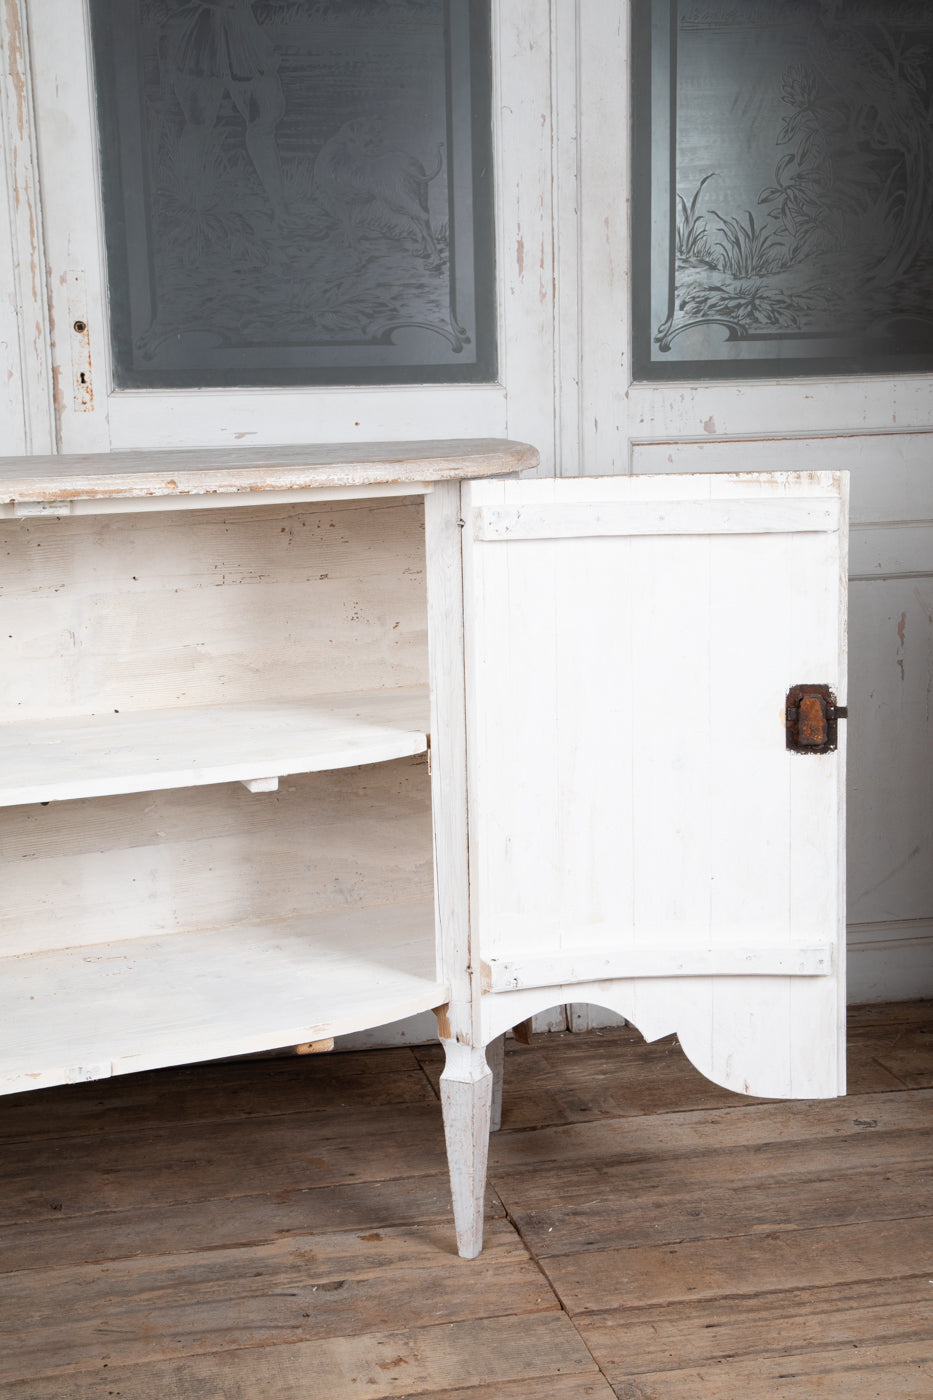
(197, 472)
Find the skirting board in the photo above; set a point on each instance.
(890, 961)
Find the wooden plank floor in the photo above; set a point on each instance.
(280, 1230)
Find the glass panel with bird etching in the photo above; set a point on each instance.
(783, 188)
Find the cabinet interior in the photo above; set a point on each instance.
(168, 916)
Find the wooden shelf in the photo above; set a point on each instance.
(144, 751)
(115, 1008)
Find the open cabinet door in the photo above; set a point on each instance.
(641, 834)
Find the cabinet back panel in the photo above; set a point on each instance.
(85, 872)
(204, 607)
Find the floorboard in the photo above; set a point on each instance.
(359, 1366)
(281, 1228)
(212, 1224)
(761, 1326)
(217, 1092)
(304, 1287)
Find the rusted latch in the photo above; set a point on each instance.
(811, 716)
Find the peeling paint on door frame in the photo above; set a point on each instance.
(18, 169)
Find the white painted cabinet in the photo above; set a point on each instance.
(564, 201)
(214, 718)
(221, 831)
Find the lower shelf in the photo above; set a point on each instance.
(115, 1008)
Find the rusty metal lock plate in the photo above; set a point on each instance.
(811, 718)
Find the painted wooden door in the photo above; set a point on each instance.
(252, 194)
(877, 426)
(641, 837)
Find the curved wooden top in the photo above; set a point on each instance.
(228, 471)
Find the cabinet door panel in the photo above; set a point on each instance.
(635, 813)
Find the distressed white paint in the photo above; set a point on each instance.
(879, 428)
(602, 519)
(876, 427)
(145, 865)
(26, 418)
(562, 157)
(890, 794)
(142, 612)
(157, 876)
(466, 1098)
(631, 795)
(147, 505)
(566, 233)
(173, 475)
(582, 963)
(146, 751)
(448, 758)
(525, 393)
(119, 1007)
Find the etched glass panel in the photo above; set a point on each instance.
(783, 187)
(297, 191)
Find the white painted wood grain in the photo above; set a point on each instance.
(148, 751)
(13, 386)
(649, 673)
(525, 214)
(466, 1099)
(890, 804)
(735, 1031)
(892, 488)
(210, 607)
(888, 468)
(88, 1013)
(448, 755)
(566, 21)
(583, 964)
(26, 411)
(145, 865)
(222, 418)
(148, 505)
(177, 474)
(596, 520)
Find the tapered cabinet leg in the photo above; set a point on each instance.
(466, 1100)
(495, 1059)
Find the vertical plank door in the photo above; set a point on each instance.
(641, 837)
